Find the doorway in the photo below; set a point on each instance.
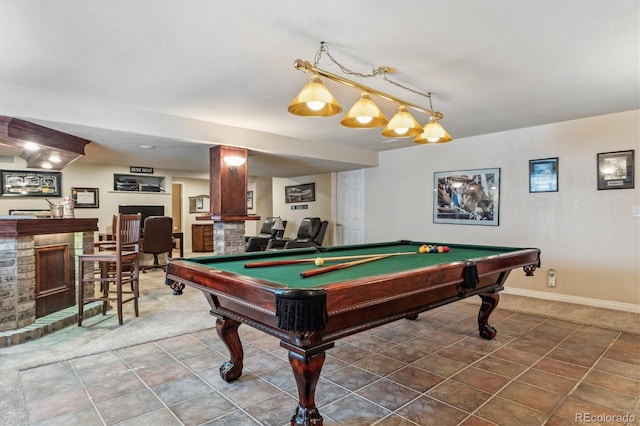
(176, 206)
(350, 207)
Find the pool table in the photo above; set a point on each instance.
(309, 314)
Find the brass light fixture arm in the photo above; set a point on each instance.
(305, 66)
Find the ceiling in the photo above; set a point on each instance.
(182, 76)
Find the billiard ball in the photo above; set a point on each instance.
(445, 249)
(423, 248)
(319, 261)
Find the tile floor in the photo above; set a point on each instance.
(432, 371)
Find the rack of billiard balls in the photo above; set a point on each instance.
(429, 248)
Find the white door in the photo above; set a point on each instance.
(349, 207)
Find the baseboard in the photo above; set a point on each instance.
(606, 304)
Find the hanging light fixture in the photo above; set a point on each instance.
(433, 132)
(402, 125)
(364, 114)
(315, 100)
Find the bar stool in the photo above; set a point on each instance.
(118, 265)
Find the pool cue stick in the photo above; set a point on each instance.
(314, 272)
(326, 259)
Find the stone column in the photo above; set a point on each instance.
(228, 237)
(17, 282)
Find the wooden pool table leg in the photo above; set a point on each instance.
(489, 303)
(306, 370)
(228, 331)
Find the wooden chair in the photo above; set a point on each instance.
(119, 265)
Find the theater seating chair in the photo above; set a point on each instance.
(311, 233)
(259, 242)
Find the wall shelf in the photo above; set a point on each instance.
(138, 183)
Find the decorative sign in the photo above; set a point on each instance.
(138, 169)
(300, 207)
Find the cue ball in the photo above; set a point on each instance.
(319, 261)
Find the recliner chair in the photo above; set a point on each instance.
(311, 233)
(259, 242)
(158, 238)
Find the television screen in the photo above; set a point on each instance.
(145, 211)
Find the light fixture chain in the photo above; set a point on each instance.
(325, 49)
(417, 92)
(376, 71)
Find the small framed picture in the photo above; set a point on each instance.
(615, 170)
(250, 200)
(85, 198)
(300, 193)
(543, 175)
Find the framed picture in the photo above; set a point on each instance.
(250, 199)
(17, 183)
(543, 175)
(85, 198)
(300, 193)
(615, 170)
(199, 204)
(467, 197)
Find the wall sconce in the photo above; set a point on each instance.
(234, 161)
(315, 100)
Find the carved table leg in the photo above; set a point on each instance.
(489, 303)
(306, 370)
(228, 331)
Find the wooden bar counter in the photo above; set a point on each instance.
(38, 266)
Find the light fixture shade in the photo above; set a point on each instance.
(364, 114)
(277, 225)
(234, 160)
(433, 133)
(402, 125)
(315, 100)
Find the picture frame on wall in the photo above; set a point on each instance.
(615, 170)
(467, 197)
(300, 193)
(250, 199)
(85, 198)
(543, 175)
(18, 183)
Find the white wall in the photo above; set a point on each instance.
(262, 203)
(588, 236)
(321, 207)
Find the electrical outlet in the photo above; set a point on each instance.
(551, 278)
(635, 211)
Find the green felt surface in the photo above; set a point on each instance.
(289, 275)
